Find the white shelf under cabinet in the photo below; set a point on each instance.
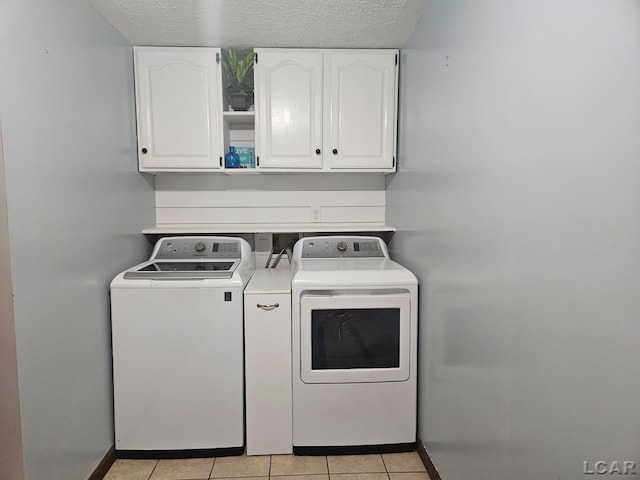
(239, 118)
(269, 228)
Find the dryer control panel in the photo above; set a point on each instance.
(213, 248)
(343, 247)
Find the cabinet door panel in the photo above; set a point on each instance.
(179, 114)
(289, 109)
(268, 373)
(362, 90)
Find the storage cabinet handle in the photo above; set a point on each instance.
(335, 151)
(268, 308)
(318, 152)
(144, 150)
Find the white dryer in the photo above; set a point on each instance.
(177, 334)
(354, 331)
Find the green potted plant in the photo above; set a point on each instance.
(238, 78)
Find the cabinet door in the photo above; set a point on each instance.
(289, 108)
(360, 91)
(178, 99)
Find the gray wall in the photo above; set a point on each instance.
(518, 206)
(11, 465)
(76, 206)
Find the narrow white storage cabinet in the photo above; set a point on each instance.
(267, 330)
(179, 109)
(326, 109)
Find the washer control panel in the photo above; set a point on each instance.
(213, 248)
(343, 247)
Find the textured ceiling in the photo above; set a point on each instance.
(264, 23)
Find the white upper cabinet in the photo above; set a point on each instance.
(179, 109)
(360, 94)
(289, 108)
(330, 110)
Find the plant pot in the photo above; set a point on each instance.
(240, 102)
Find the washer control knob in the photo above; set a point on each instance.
(199, 246)
(342, 246)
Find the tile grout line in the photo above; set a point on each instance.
(385, 467)
(153, 470)
(211, 471)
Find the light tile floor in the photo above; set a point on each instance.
(392, 466)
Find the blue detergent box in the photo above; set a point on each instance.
(247, 157)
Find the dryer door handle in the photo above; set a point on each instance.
(268, 308)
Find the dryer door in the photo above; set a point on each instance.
(355, 338)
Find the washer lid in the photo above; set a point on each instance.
(175, 270)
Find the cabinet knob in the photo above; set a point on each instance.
(335, 151)
(268, 308)
(318, 151)
(144, 150)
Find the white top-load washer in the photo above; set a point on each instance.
(177, 334)
(354, 331)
